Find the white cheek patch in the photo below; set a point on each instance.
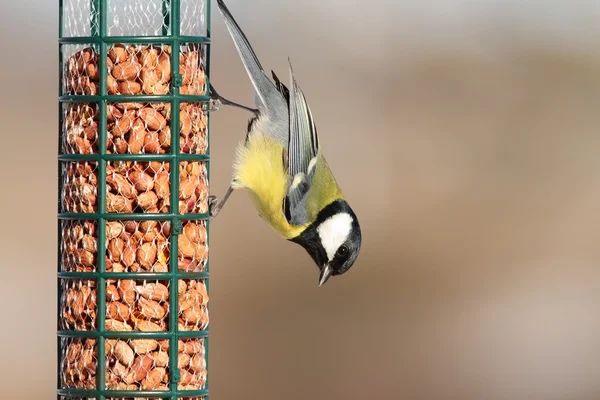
(334, 231)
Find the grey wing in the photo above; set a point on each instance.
(268, 99)
(302, 154)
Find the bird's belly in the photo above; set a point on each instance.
(259, 168)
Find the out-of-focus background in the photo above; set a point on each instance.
(465, 135)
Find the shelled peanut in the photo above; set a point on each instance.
(134, 186)
(135, 127)
(133, 246)
(192, 305)
(80, 128)
(133, 305)
(191, 362)
(144, 246)
(193, 187)
(143, 364)
(79, 187)
(81, 74)
(78, 305)
(136, 364)
(144, 306)
(136, 305)
(138, 187)
(134, 69)
(79, 363)
(79, 246)
(192, 248)
(138, 128)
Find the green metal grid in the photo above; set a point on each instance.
(100, 38)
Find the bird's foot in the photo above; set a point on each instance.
(213, 206)
(214, 105)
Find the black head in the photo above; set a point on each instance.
(333, 240)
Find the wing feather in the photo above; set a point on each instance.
(304, 142)
(303, 150)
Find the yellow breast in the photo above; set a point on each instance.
(258, 167)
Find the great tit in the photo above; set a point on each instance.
(281, 165)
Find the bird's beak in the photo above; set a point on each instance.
(325, 274)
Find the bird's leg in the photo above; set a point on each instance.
(213, 207)
(216, 100)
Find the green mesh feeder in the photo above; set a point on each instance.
(133, 199)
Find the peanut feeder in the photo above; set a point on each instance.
(133, 199)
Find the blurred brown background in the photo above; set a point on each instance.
(465, 135)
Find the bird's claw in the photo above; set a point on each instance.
(214, 105)
(212, 202)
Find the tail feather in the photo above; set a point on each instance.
(268, 99)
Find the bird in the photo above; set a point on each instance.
(281, 165)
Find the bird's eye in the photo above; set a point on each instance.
(342, 251)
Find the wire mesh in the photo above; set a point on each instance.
(139, 17)
(191, 364)
(138, 246)
(193, 17)
(193, 129)
(139, 69)
(137, 364)
(78, 305)
(80, 128)
(81, 73)
(133, 200)
(129, 398)
(192, 247)
(192, 59)
(137, 187)
(79, 190)
(137, 305)
(193, 301)
(75, 398)
(78, 18)
(193, 187)
(134, 398)
(79, 359)
(79, 246)
(145, 128)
